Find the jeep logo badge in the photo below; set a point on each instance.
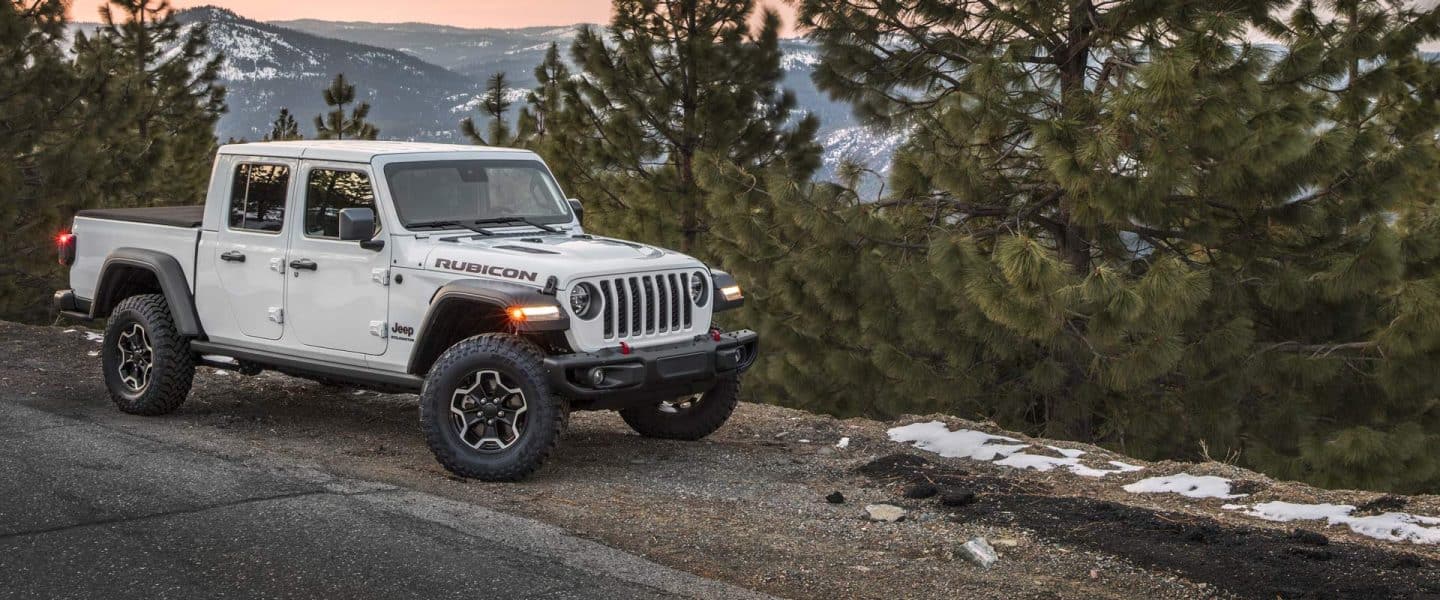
(479, 269)
(404, 330)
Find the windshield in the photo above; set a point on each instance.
(465, 191)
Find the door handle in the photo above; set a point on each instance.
(304, 263)
(233, 256)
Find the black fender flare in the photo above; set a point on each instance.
(167, 271)
(485, 295)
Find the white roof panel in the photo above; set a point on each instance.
(352, 150)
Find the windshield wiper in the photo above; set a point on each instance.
(471, 225)
(526, 220)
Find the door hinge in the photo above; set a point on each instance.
(380, 276)
(379, 329)
(277, 314)
(278, 265)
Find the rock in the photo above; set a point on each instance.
(978, 552)
(1309, 537)
(921, 490)
(958, 498)
(835, 498)
(884, 513)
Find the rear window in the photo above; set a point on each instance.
(257, 197)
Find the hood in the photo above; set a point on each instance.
(528, 259)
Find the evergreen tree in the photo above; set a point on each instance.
(37, 116)
(284, 128)
(157, 105)
(126, 120)
(495, 104)
(334, 125)
(1124, 222)
(669, 81)
(546, 100)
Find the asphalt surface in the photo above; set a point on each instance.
(90, 511)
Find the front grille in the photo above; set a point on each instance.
(643, 305)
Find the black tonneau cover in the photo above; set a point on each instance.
(174, 216)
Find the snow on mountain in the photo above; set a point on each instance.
(422, 79)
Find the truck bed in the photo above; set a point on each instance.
(174, 216)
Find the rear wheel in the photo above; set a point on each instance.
(147, 363)
(687, 417)
(487, 410)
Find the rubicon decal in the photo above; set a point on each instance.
(492, 270)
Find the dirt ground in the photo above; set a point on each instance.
(749, 506)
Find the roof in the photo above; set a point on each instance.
(353, 150)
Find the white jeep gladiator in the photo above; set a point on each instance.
(458, 272)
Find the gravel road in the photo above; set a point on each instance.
(746, 507)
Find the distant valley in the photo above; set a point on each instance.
(422, 79)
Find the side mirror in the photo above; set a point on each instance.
(358, 224)
(578, 209)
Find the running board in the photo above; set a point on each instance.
(313, 369)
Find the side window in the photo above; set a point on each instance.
(257, 197)
(327, 192)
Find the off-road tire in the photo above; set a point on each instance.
(173, 368)
(693, 423)
(520, 361)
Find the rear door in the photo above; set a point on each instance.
(336, 295)
(249, 257)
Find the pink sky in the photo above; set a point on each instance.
(459, 13)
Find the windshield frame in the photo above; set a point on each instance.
(565, 215)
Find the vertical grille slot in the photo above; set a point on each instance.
(662, 322)
(607, 300)
(635, 309)
(622, 308)
(674, 281)
(650, 302)
(689, 306)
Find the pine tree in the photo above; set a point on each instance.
(38, 118)
(546, 100)
(157, 105)
(495, 104)
(1124, 222)
(334, 125)
(669, 81)
(284, 128)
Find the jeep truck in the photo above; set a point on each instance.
(460, 273)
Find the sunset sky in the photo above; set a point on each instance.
(459, 13)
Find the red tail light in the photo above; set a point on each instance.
(65, 246)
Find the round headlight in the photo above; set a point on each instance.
(699, 288)
(582, 301)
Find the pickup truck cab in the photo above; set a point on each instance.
(460, 273)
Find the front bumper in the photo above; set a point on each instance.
(647, 374)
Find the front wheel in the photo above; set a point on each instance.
(687, 417)
(487, 410)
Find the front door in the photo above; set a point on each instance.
(336, 295)
(249, 258)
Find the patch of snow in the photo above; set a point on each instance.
(1390, 526)
(1185, 484)
(843, 443)
(68, 331)
(790, 60)
(936, 437)
(1067, 452)
(216, 358)
(94, 337)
